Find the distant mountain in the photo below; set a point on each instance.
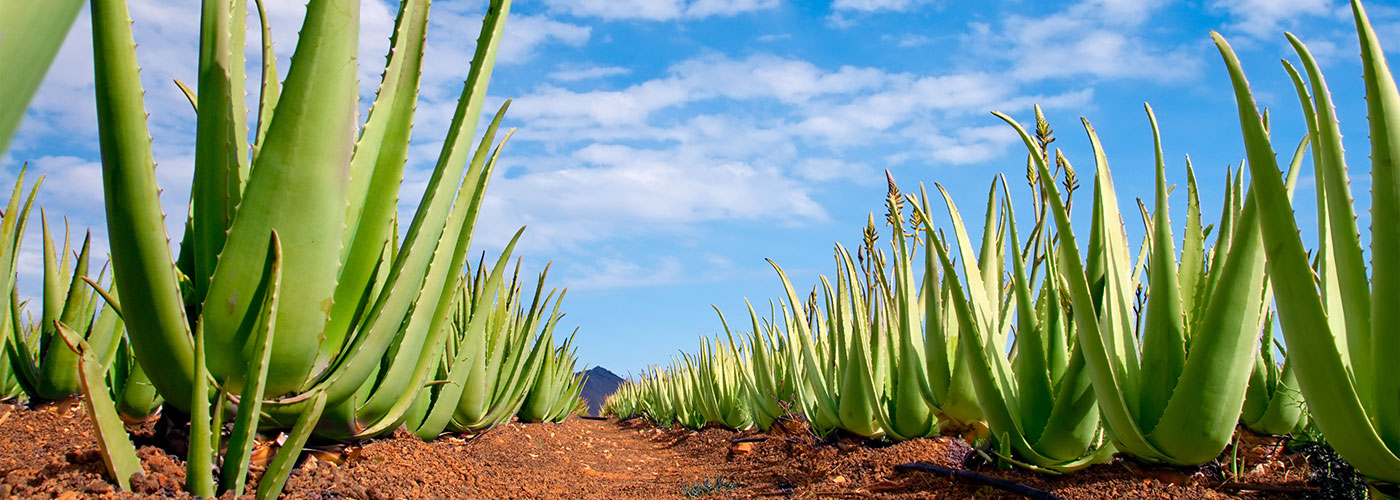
(601, 383)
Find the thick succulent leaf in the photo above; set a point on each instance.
(1326, 265)
(1116, 288)
(271, 88)
(199, 463)
(410, 368)
(1332, 398)
(234, 474)
(412, 262)
(153, 310)
(1383, 107)
(275, 477)
(1031, 370)
(1345, 238)
(296, 188)
(1163, 330)
(118, 454)
(30, 36)
(376, 171)
(449, 396)
(220, 135)
(1192, 269)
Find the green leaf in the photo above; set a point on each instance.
(275, 477)
(118, 454)
(245, 424)
(30, 36)
(153, 310)
(297, 188)
(1163, 331)
(1333, 400)
(1383, 107)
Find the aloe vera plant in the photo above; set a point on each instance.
(1172, 389)
(497, 349)
(305, 185)
(1339, 325)
(842, 370)
(1035, 392)
(763, 369)
(555, 392)
(13, 358)
(52, 373)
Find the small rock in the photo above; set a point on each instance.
(838, 479)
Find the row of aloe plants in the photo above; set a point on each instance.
(294, 302)
(1072, 349)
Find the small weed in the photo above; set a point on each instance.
(1329, 472)
(707, 486)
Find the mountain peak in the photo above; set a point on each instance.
(600, 384)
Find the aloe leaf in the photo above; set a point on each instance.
(1383, 106)
(297, 188)
(1163, 333)
(376, 170)
(199, 465)
(271, 88)
(1030, 368)
(118, 454)
(275, 477)
(220, 135)
(154, 310)
(450, 394)
(411, 263)
(1192, 268)
(1344, 237)
(30, 36)
(427, 322)
(1326, 265)
(245, 424)
(994, 396)
(1112, 278)
(1333, 400)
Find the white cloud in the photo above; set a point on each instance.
(528, 33)
(608, 190)
(606, 273)
(903, 99)
(659, 10)
(726, 8)
(574, 73)
(907, 40)
(963, 146)
(1096, 38)
(706, 77)
(877, 5)
(1265, 19)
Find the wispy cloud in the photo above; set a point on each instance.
(1095, 38)
(574, 73)
(1264, 19)
(877, 5)
(907, 40)
(659, 10)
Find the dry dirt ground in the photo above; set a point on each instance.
(49, 452)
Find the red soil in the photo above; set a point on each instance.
(50, 453)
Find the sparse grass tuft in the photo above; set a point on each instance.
(707, 486)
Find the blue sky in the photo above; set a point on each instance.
(665, 148)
